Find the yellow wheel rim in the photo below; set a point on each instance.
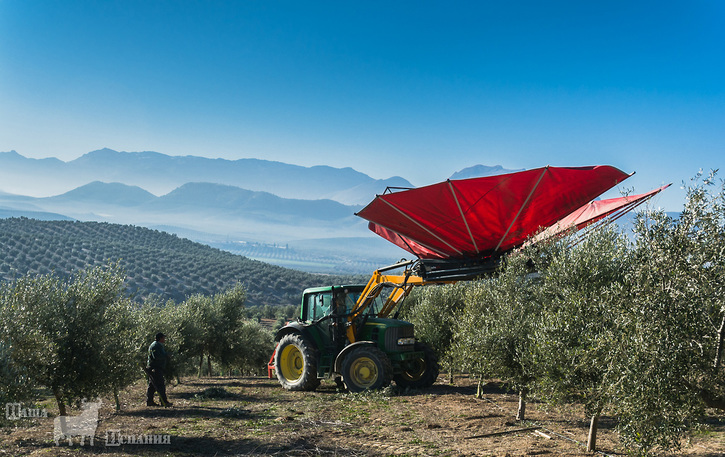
(291, 363)
(364, 372)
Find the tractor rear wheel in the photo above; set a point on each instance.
(366, 367)
(295, 362)
(419, 373)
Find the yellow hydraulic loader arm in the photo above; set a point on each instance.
(402, 284)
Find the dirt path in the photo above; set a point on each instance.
(255, 416)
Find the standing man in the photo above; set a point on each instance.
(155, 369)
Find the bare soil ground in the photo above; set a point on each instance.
(255, 416)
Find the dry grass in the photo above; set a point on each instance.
(255, 416)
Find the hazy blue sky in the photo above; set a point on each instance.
(412, 88)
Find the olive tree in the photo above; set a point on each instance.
(211, 326)
(58, 331)
(119, 349)
(667, 359)
(494, 336)
(252, 348)
(435, 310)
(571, 341)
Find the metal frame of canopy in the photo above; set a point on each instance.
(595, 215)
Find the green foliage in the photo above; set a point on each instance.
(59, 333)
(216, 327)
(634, 330)
(154, 316)
(435, 312)
(225, 319)
(577, 321)
(494, 335)
(119, 348)
(14, 384)
(255, 345)
(288, 312)
(666, 366)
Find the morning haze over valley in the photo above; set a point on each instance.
(288, 215)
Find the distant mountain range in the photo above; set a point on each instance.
(478, 171)
(238, 205)
(159, 174)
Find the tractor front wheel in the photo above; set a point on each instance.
(419, 373)
(366, 367)
(295, 362)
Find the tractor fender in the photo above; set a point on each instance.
(341, 356)
(293, 327)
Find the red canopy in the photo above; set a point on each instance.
(479, 217)
(595, 211)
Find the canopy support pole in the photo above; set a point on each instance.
(526, 202)
(607, 220)
(463, 217)
(421, 226)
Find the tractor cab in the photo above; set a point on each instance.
(325, 313)
(335, 301)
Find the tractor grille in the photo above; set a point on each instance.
(391, 339)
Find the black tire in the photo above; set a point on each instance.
(366, 368)
(420, 373)
(295, 362)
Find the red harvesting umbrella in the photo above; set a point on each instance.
(483, 217)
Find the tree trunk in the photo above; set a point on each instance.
(521, 413)
(592, 440)
(201, 364)
(720, 343)
(115, 397)
(59, 399)
(208, 364)
(479, 390)
(450, 373)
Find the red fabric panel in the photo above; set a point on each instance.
(499, 211)
(594, 211)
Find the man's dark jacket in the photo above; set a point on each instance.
(157, 356)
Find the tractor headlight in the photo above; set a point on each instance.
(406, 341)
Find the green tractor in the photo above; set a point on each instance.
(344, 331)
